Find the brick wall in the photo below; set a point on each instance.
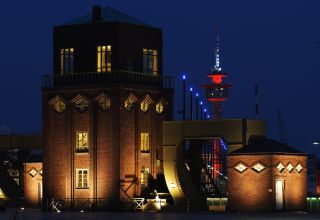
(114, 142)
(255, 191)
(32, 184)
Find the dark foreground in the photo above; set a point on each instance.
(36, 214)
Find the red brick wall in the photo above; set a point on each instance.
(32, 185)
(252, 191)
(114, 143)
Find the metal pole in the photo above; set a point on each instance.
(191, 89)
(201, 103)
(184, 97)
(197, 106)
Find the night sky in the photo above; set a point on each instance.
(270, 42)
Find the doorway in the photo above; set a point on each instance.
(279, 194)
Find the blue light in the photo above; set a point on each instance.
(183, 76)
(205, 110)
(191, 89)
(208, 116)
(197, 94)
(201, 103)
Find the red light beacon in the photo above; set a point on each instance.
(217, 92)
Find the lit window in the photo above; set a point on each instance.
(59, 106)
(145, 104)
(280, 167)
(150, 61)
(258, 167)
(299, 168)
(2, 195)
(145, 142)
(104, 58)
(82, 142)
(290, 167)
(160, 105)
(129, 102)
(144, 177)
(66, 60)
(82, 177)
(33, 172)
(240, 167)
(82, 105)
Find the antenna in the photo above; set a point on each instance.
(282, 129)
(217, 67)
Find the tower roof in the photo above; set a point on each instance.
(266, 146)
(107, 14)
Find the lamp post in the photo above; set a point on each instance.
(197, 106)
(201, 106)
(191, 89)
(184, 97)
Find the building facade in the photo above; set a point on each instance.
(103, 108)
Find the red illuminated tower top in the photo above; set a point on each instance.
(217, 92)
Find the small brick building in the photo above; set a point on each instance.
(266, 175)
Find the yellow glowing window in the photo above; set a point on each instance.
(144, 177)
(299, 168)
(59, 106)
(144, 106)
(82, 142)
(66, 60)
(82, 178)
(104, 58)
(145, 147)
(2, 195)
(258, 167)
(150, 61)
(240, 167)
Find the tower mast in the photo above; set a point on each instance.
(217, 92)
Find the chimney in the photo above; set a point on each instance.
(96, 13)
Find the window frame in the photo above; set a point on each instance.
(104, 58)
(78, 149)
(78, 178)
(150, 61)
(145, 143)
(66, 56)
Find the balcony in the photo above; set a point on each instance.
(107, 78)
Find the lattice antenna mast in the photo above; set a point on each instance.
(217, 67)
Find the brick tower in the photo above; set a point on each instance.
(103, 108)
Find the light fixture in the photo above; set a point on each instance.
(183, 76)
(240, 167)
(280, 167)
(258, 167)
(316, 143)
(299, 168)
(290, 167)
(197, 94)
(191, 89)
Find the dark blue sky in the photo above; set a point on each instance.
(269, 42)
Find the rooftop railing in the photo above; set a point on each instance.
(107, 78)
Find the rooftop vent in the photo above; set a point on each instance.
(96, 13)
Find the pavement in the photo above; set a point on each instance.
(34, 214)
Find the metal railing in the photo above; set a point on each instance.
(107, 78)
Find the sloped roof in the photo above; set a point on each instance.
(108, 14)
(266, 146)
